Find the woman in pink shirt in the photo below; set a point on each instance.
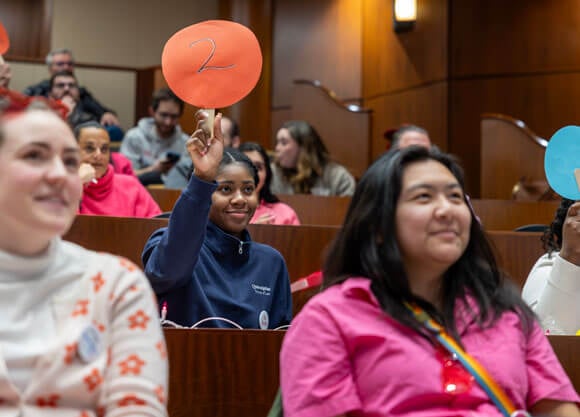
(104, 191)
(410, 241)
(270, 210)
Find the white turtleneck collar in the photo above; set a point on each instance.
(17, 267)
(28, 286)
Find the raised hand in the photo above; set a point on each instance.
(87, 173)
(571, 235)
(206, 151)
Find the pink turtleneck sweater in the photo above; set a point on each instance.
(118, 195)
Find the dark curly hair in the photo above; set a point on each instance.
(552, 238)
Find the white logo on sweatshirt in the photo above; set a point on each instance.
(262, 290)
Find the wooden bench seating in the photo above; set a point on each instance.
(330, 211)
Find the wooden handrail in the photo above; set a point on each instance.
(332, 95)
(519, 124)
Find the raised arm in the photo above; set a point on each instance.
(553, 286)
(171, 253)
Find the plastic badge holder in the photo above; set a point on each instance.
(562, 162)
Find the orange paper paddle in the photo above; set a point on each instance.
(212, 64)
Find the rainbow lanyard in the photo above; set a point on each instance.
(483, 378)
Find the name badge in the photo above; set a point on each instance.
(263, 320)
(90, 344)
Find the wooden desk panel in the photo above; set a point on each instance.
(517, 252)
(222, 373)
(509, 214)
(303, 247)
(567, 349)
(124, 236)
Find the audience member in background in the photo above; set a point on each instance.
(179, 176)
(303, 165)
(409, 250)
(205, 265)
(79, 329)
(62, 60)
(553, 286)
(156, 144)
(270, 209)
(5, 75)
(408, 135)
(105, 192)
(64, 87)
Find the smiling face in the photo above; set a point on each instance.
(287, 149)
(40, 188)
(95, 149)
(235, 200)
(432, 219)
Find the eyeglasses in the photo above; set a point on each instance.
(171, 116)
(63, 85)
(63, 63)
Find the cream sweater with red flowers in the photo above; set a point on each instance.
(79, 336)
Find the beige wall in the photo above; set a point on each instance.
(127, 33)
(113, 88)
(123, 32)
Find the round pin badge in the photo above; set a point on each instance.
(90, 344)
(263, 319)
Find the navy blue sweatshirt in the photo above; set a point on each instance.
(201, 271)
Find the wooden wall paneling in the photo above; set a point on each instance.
(497, 37)
(28, 24)
(541, 101)
(344, 131)
(508, 153)
(425, 106)
(145, 88)
(391, 61)
(253, 112)
(316, 40)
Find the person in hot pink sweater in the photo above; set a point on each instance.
(104, 191)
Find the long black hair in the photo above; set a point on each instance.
(265, 192)
(552, 238)
(367, 246)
